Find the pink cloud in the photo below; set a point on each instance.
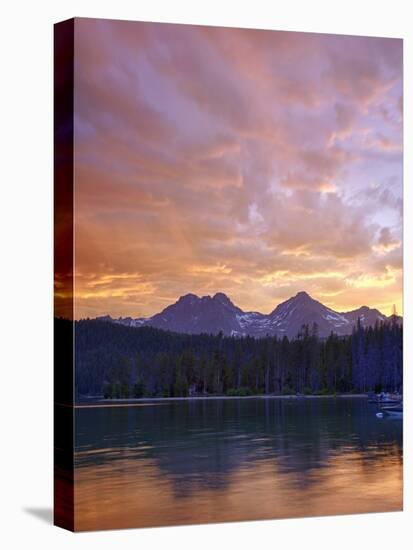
(200, 147)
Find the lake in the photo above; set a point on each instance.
(213, 460)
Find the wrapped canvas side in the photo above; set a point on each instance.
(63, 275)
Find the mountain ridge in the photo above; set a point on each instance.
(192, 314)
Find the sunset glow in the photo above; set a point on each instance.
(254, 163)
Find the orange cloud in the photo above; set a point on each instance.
(238, 161)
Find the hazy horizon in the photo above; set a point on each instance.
(254, 163)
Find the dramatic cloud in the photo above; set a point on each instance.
(256, 163)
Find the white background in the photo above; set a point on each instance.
(26, 270)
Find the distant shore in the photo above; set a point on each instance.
(101, 402)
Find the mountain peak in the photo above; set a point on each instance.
(188, 298)
(302, 295)
(222, 298)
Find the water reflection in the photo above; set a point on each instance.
(221, 460)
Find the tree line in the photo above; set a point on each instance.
(119, 362)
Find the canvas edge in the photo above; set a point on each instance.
(63, 79)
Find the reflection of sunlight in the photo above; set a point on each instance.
(135, 493)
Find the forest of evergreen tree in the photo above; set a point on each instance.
(120, 362)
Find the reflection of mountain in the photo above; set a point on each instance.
(210, 315)
(199, 444)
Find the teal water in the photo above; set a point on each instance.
(180, 462)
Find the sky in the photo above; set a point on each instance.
(251, 162)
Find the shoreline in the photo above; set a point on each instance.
(142, 401)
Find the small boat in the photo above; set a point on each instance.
(389, 401)
(384, 399)
(395, 411)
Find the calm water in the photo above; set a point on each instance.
(215, 460)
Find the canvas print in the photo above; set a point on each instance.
(228, 274)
